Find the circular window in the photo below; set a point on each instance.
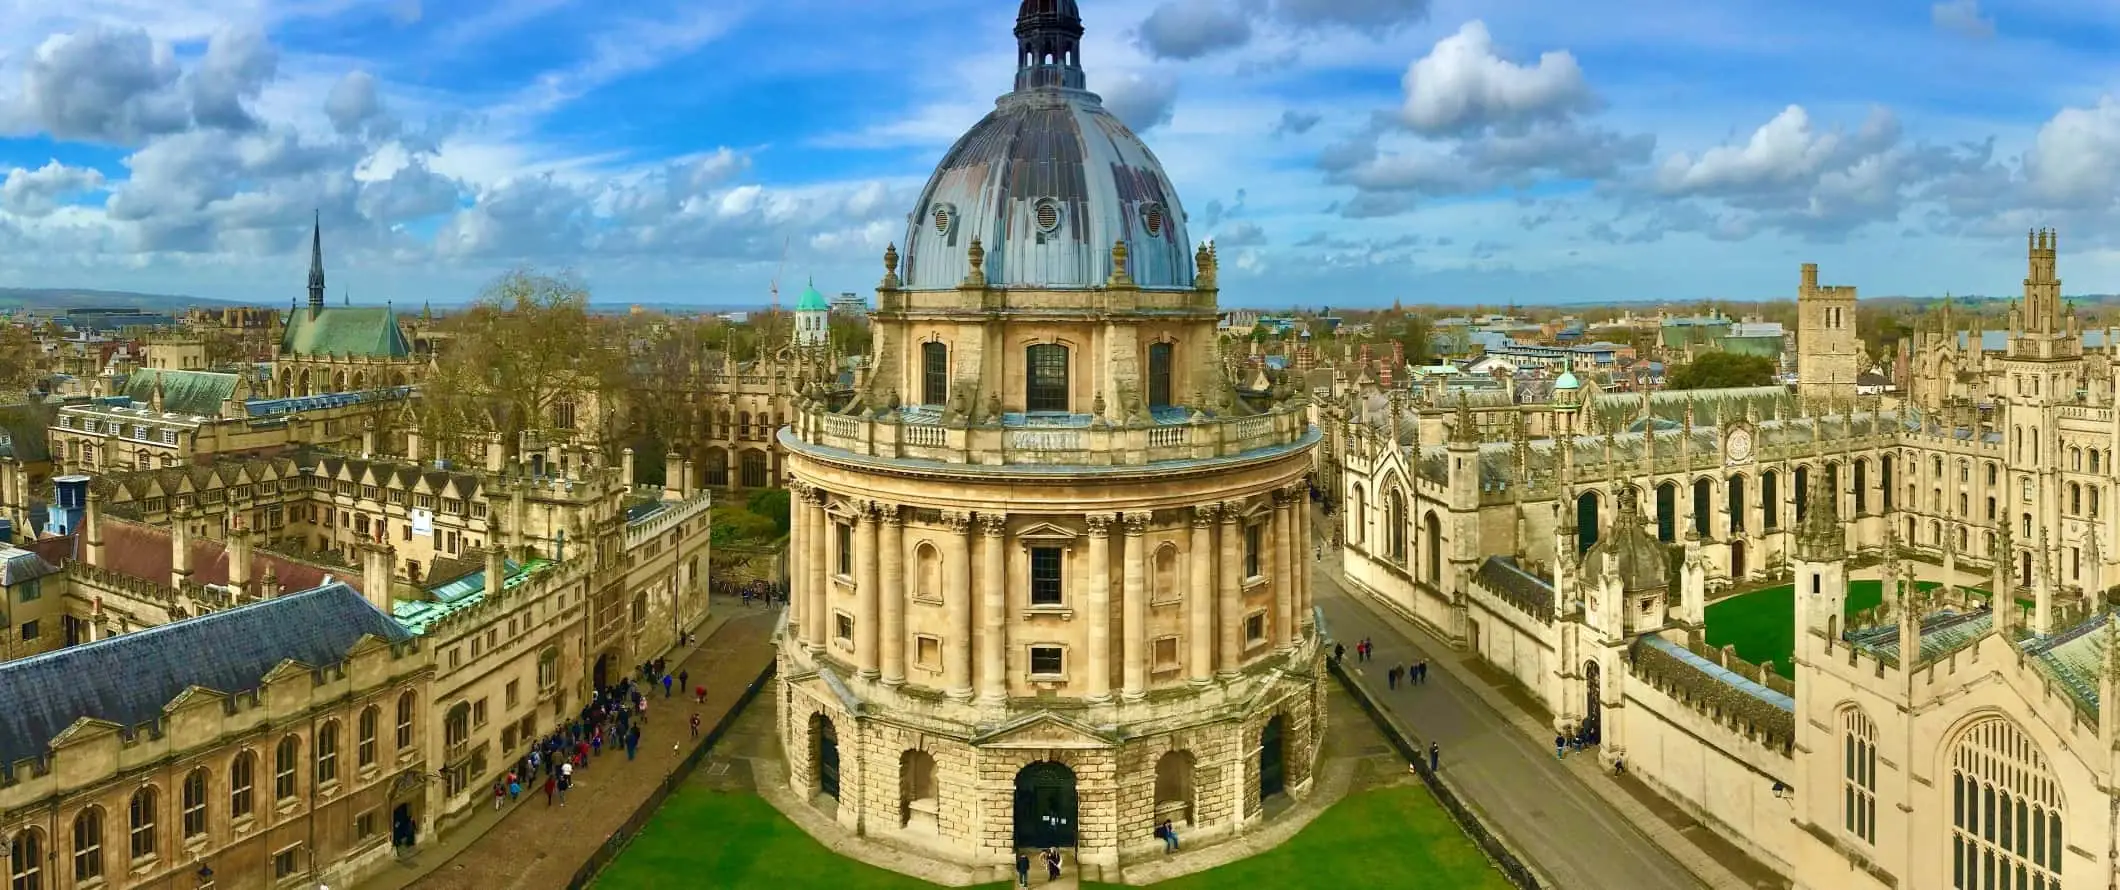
(1048, 217)
(1152, 218)
(942, 218)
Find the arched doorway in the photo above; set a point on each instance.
(824, 752)
(1593, 706)
(1737, 560)
(1045, 805)
(1273, 760)
(601, 675)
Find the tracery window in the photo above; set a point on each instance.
(1859, 775)
(2005, 811)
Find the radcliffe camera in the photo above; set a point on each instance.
(833, 445)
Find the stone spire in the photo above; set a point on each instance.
(316, 266)
(1462, 430)
(1819, 537)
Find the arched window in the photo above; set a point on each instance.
(1667, 512)
(364, 738)
(285, 760)
(2094, 460)
(1355, 518)
(1992, 472)
(2075, 499)
(1769, 499)
(25, 860)
(1159, 373)
(1395, 516)
(405, 705)
(328, 752)
(1703, 506)
(2093, 489)
(1045, 378)
(754, 469)
(140, 817)
(2005, 810)
(242, 784)
(1432, 546)
(88, 845)
(193, 799)
(1734, 501)
(1858, 759)
(934, 373)
(456, 726)
(1862, 486)
(1803, 493)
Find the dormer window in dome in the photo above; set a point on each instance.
(945, 218)
(1152, 219)
(1047, 216)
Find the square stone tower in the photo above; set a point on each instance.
(1828, 354)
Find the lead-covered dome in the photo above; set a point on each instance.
(1048, 182)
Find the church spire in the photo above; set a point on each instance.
(1819, 537)
(316, 266)
(1049, 45)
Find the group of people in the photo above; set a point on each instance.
(1414, 674)
(770, 593)
(1052, 865)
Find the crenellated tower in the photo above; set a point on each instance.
(1828, 354)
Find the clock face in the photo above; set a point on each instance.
(1739, 446)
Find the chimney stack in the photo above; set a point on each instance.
(673, 476)
(239, 561)
(378, 563)
(496, 571)
(180, 548)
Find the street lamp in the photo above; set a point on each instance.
(205, 876)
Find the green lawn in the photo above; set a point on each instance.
(707, 838)
(1396, 837)
(1762, 624)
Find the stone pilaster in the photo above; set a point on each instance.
(1200, 604)
(1097, 605)
(1229, 593)
(893, 591)
(818, 568)
(1284, 568)
(798, 546)
(993, 609)
(868, 621)
(1306, 541)
(957, 594)
(1134, 609)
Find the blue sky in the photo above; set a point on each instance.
(1340, 152)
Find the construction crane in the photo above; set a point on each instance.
(774, 315)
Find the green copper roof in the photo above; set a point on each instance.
(183, 392)
(812, 301)
(367, 331)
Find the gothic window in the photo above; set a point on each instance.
(1395, 518)
(1770, 499)
(1859, 775)
(1992, 470)
(1356, 519)
(1884, 479)
(1667, 512)
(284, 762)
(753, 469)
(194, 810)
(1734, 496)
(25, 859)
(1702, 506)
(242, 778)
(2005, 811)
(405, 706)
(1045, 379)
(2075, 499)
(364, 738)
(1803, 485)
(1159, 371)
(1862, 486)
(934, 373)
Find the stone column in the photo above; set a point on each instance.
(1134, 656)
(993, 609)
(818, 570)
(1229, 595)
(1284, 568)
(868, 624)
(957, 594)
(1098, 607)
(798, 545)
(1200, 603)
(893, 591)
(1306, 542)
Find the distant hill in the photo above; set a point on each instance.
(46, 299)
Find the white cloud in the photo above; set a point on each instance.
(1463, 86)
(37, 193)
(1142, 100)
(1781, 151)
(2075, 160)
(1189, 29)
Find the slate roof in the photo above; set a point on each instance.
(130, 678)
(18, 566)
(183, 392)
(26, 425)
(369, 331)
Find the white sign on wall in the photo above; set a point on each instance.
(423, 522)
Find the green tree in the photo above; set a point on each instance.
(771, 503)
(526, 356)
(1417, 335)
(1721, 370)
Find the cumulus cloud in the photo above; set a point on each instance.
(237, 66)
(1142, 100)
(1463, 85)
(1962, 17)
(352, 102)
(1241, 234)
(1189, 29)
(102, 85)
(1296, 123)
(2075, 160)
(36, 193)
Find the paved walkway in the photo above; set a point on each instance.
(532, 845)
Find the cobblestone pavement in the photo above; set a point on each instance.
(536, 846)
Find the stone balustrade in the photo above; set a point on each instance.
(893, 436)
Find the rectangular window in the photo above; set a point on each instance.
(283, 864)
(1045, 576)
(1254, 537)
(1045, 378)
(514, 694)
(1159, 371)
(478, 713)
(843, 628)
(1166, 654)
(844, 533)
(364, 825)
(1048, 661)
(927, 653)
(934, 374)
(29, 630)
(1255, 627)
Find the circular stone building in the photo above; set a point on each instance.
(1050, 563)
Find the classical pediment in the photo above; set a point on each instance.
(1045, 729)
(1048, 533)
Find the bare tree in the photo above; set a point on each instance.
(526, 356)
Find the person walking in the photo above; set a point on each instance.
(699, 694)
(632, 741)
(1560, 747)
(1023, 870)
(695, 724)
(684, 679)
(1435, 756)
(1052, 864)
(1391, 677)
(550, 784)
(666, 685)
(1339, 652)
(1424, 672)
(515, 788)
(500, 793)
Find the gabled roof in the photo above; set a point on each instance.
(369, 331)
(25, 426)
(183, 392)
(129, 679)
(145, 552)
